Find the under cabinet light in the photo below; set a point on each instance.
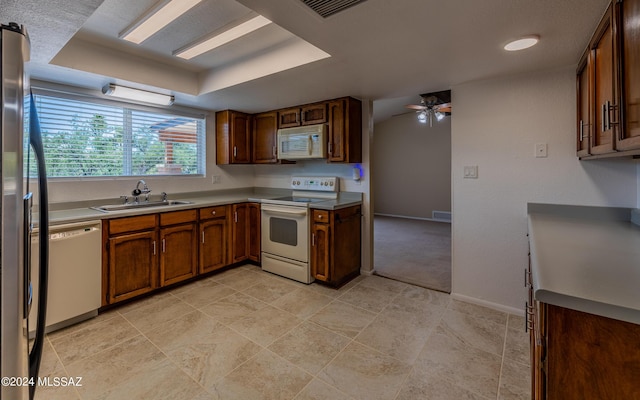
(156, 18)
(227, 35)
(138, 95)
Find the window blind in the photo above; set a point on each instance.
(86, 139)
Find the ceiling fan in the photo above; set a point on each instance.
(432, 106)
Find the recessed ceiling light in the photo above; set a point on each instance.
(156, 18)
(523, 43)
(221, 37)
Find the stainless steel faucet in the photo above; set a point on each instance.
(145, 190)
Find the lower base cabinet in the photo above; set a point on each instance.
(577, 355)
(131, 257)
(335, 244)
(143, 253)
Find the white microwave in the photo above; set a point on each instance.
(302, 142)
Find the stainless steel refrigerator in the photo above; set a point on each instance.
(19, 359)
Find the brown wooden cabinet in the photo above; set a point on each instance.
(264, 133)
(178, 246)
(239, 232)
(233, 137)
(627, 13)
(214, 238)
(584, 105)
(335, 244)
(131, 265)
(604, 85)
(254, 232)
(581, 356)
(608, 86)
(309, 114)
(345, 130)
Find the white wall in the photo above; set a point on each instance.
(412, 172)
(495, 125)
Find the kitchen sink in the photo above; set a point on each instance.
(145, 204)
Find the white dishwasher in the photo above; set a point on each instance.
(75, 274)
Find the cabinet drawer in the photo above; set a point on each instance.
(132, 224)
(321, 216)
(348, 212)
(177, 217)
(212, 212)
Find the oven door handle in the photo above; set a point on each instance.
(269, 209)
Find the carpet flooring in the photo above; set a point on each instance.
(413, 251)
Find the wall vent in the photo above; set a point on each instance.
(444, 216)
(329, 7)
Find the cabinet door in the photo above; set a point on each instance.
(314, 114)
(239, 233)
(345, 130)
(240, 138)
(628, 29)
(604, 86)
(337, 126)
(213, 244)
(289, 118)
(133, 266)
(321, 252)
(254, 231)
(584, 106)
(265, 127)
(178, 255)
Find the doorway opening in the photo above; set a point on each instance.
(411, 183)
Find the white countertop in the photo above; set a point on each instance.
(80, 211)
(586, 259)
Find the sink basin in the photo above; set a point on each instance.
(146, 204)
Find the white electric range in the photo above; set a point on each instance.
(285, 226)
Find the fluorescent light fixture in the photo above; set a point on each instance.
(193, 50)
(138, 95)
(523, 43)
(156, 18)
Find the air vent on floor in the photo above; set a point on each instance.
(444, 216)
(329, 7)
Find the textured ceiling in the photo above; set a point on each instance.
(380, 49)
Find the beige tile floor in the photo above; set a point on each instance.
(246, 334)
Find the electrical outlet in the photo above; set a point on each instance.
(215, 179)
(471, 172)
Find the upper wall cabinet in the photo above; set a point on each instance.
(608, 86)
(345, 130)
(627, 15)
(264, 133)
(233, 137)
(310, 114)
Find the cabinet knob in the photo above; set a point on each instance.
(213, 213)
(319, 216)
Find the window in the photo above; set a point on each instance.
(89, 139)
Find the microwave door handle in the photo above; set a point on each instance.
(310, 145)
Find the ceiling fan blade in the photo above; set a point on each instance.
(397, 115)
(444, 107)
(415, 107)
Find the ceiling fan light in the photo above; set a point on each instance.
(522, 43)
(439, 116)
(422, 116)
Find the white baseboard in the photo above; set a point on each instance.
(367, 273)
(488, 304)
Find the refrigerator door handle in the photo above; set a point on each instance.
(35, 139)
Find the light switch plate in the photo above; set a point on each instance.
(471, 172)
